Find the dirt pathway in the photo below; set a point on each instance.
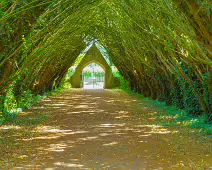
(98, 129)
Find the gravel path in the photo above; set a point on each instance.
(98, 129)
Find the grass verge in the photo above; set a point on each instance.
(170, 116)
(28, 101)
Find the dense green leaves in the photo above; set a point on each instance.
(161, 47)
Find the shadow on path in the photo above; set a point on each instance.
(96, 129)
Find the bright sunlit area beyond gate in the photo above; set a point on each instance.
(93, 77)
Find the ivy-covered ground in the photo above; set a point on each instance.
(102, 129)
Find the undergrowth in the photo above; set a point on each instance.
(13, 105)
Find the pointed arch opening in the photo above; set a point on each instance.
(94, 56)
(93, 76)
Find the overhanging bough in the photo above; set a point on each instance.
(162, 48)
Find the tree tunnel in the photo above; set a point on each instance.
(162, 48)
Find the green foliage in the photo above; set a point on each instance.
(159, 51)
(116, 74)
(99, 74)
(183, 97)
(9, 107)
(12, 105)
(87, 74)
(201, 123)
(8, 116)
(31, 120)
(27, 99)
(124, 84)
(170, 116)
(65, 84)
(78, 60)
(70, 72)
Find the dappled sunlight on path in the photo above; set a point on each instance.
(97, 129)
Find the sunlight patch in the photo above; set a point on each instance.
(50, 129)
(70, 165)
(144, 135)
(42, 137)
(158, 132)
(111, 125)
(89, 138)
(104, 134)
(57, 147)
(106, 125)
(10, 127)
(57, 131)
(125, 112)
(121, 117)
(110, 144)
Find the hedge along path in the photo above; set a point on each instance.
(161, 47)
(99, 129)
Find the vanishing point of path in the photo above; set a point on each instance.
(98, 130)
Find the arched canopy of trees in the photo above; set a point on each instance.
(163, 48)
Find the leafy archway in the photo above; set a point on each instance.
(161, 47)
